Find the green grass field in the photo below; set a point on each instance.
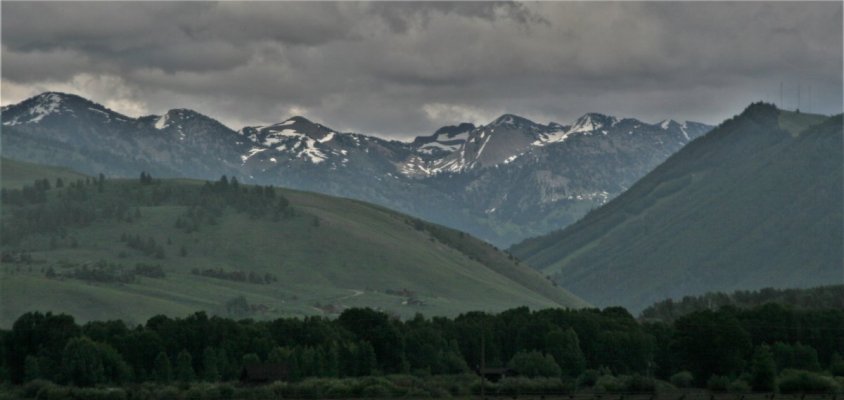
(330, 254)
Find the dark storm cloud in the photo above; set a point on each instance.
(401, 69)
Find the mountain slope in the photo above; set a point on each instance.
(504, 181)
(755, 203)
(99, 251)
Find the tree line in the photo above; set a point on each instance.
(766, 348)
(831, 296)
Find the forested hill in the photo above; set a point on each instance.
(756, 202)
(98, 249)
(819, 298)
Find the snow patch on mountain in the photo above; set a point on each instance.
(45, 105)
(252, 152)
(327, 137)
(161, 122)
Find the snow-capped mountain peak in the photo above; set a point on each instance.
(184, 122)
(591, 122)
(296, 136)
(510, 121)
(48, 105)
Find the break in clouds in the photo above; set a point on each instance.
(403, 69)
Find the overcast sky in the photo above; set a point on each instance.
(403, 69)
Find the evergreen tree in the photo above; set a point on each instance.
(251, 358)
(763, 370)
(163, 372)
(331, 361)
(210, 369)
(836, 365)
(564, 346)
(31, 371)
(278, 355)
(227, 371)
(367, 362)
(81, 362)
(184, 367)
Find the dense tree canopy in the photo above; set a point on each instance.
(719, 348)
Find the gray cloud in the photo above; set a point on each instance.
(401, 69)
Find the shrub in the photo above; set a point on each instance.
(226, 391)
(279, 389)
(116, 394)
(682, 379)
(437, 392)
(625, 383)
(800, 381)
(417, 393)
(146, 391)
(588, 378)
(489, 387)
(54, 393)
(639, 384)
(8, 395)
(98, 394)
(195, 393)
(718, 383)
(609, 384)
(168, 392)
(338, 388)
(739, 386)
(31, 388)
(533, 364)
(377, 391)
(310, 388)
(513, 386)
(255, 393)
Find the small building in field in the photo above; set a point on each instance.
(263, 373)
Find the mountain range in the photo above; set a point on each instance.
(756, 202)
(503, 182)
(752, 203)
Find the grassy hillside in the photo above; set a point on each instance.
(77, 249)
(755, 203)
(15, 174)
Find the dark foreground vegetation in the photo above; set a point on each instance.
(365, 353)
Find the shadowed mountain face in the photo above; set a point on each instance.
(757, 202)
(504, 181)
